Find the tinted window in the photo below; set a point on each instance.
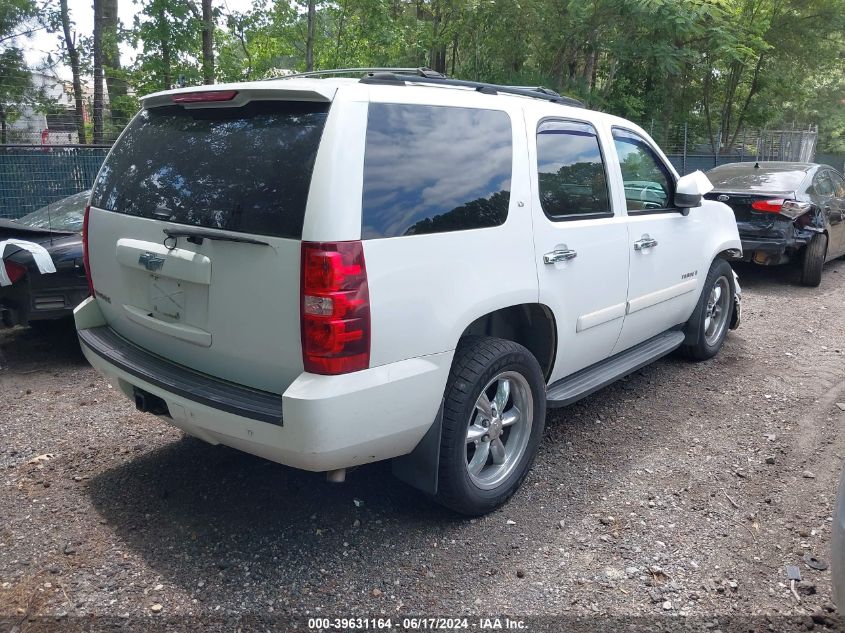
(571, 174)
(646, 179)
(244, 169)
(746, 177)
(430, 169)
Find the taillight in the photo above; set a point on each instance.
(769, 206)
(85, 261)
(205, 96)
(791, 209)
(15, 271)
(334, 308)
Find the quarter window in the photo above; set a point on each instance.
(570, 170)
(822, 185)
(838, 184)
(431, 169)
(647, 181)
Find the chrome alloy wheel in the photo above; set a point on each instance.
(499, 429)
(717, 310)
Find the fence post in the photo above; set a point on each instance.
(684, 161)
(718, 147)
(742, 149)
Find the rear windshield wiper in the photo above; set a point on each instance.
(196, 236)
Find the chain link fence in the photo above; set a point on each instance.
(33, 176)
(42, 168)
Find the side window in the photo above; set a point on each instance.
(432, 169)
(838, 184)
(822, 185)
(570, 170)
(648, 184)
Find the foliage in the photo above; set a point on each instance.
(715, 65)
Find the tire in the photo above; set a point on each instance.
(712, 316)
(483, 365)
(813, 260)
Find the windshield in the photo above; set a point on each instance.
(245, 169)
(63, 215)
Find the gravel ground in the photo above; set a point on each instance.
(683, 489)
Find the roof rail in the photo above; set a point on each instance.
(418, 72)
(429, 76)
(534, 92)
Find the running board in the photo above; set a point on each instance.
(586, 381)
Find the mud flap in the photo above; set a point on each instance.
(419, 467)
(736, 317)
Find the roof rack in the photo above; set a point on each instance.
(401, 76)
(523, 91)
(419, 72)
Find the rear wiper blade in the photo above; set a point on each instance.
(196, 236)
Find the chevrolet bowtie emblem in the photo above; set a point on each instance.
(151, 261)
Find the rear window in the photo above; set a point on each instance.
(760, 179)
(244, 169)
(431, 169)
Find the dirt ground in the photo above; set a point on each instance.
(682, 490)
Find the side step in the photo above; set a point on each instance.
(584, 382)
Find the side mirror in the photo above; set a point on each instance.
(690, 189)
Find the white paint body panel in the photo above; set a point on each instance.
(424, 290)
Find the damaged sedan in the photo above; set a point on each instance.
(785, 212)
(42, 276)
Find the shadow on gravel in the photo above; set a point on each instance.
(48, 344)
(195, 511)
(787, 276)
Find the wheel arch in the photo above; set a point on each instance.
(532, 325)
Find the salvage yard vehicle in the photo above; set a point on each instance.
(330, 272)
(785, 212)
(32, 296)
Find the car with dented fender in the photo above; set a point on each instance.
(785, 212)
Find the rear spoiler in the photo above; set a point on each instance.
(281, 90)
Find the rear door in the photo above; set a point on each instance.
(664, 245)
(195, 231)
(830, 188)
(580, 242)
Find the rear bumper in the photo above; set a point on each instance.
(322, 423)
(771, 244)
(23, 302)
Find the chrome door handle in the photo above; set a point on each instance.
(559, 255)
(645, 242)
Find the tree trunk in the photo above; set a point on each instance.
(3, 137)
(98, 72)
(207, 43)
(167, 73)
(73, 57)
(115, 83)
(309, 42)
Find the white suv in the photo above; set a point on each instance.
(330, 272)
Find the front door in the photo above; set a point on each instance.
(580, 243)
(665, 272)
